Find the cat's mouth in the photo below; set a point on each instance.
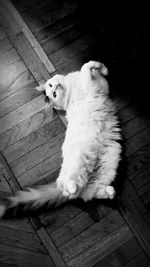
(47, 99)
(49, 102)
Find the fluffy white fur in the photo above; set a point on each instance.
(91, 151)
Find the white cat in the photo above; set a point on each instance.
(91, 151)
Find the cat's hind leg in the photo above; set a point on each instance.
(108, 170)
(88, 71)
(73, 175)
(101, 187)
(92, 68)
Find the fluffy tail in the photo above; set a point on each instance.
(34, 198)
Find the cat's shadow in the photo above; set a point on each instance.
(92, 207)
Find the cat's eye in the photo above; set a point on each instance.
(50, 85)
(54, 94)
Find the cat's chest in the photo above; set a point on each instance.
(78, 118)
(80, 126)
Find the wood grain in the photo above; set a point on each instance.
(2, 33)
(48, 16)
(4, 185)
(9, 57)
(24, 6)
(23, 257)
(141, 177)
(41, 171)
(122, 255)
(52, 30)
(5, 45)
(33, 140)
(13, 73)
(50, 178)
(120, 101)
(85, 250)
(140, 260)
(138, 160)
(8, 174)
(71, 50)
(138, 141)
(26, 127)
(23, 224)
(21, 239)
(54, 220)
(75, 226)
(64, 38)
(31, 59)
(18, 99)
(135, 125)
(136, 216)
(37, 155)
(22, 79)
(70, 65)
(144, 193)
(43, 8)
(53, 252)
(9, 10)
(21, 113)
(25, 43)
(28, 54)
(127, 113)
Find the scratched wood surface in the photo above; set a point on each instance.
(75, 234)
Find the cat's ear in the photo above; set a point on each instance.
(103, 69)
(40, 88)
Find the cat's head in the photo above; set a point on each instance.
(55, 92)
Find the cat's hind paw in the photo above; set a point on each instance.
(106, 192)
(110, 190)
(68, 187)
(94, 67)
(71, 187)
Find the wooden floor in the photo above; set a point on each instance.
(111, 234)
